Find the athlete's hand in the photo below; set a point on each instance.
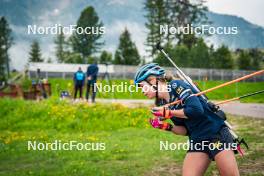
(162, 112)
(156, 123)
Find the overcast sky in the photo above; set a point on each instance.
(251, 10)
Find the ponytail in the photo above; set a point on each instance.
(168, 77)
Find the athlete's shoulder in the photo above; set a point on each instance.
(176, 83)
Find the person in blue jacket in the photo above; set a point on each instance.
(79, 79)
(209, 138)
(92, 71)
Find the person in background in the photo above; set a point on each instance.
(92, 71)
(79, 79)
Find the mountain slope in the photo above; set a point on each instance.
(249, 35)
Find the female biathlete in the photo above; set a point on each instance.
(192, 117)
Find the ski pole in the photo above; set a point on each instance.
(240, 97)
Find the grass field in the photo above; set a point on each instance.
(231, 91)
(132, 146)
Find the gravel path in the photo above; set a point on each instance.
(244, 109)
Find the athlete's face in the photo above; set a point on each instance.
(148, 88)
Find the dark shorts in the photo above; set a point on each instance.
(222, 141)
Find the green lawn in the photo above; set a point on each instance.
(132, 146)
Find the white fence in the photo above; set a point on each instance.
(127, 72)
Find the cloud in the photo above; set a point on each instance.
(113, 31)
(114, 2)
(19, 54)
(65, 12)
(250, 10)
(131, 4)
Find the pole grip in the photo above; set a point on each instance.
(159, 47)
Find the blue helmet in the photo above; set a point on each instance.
(146, 70)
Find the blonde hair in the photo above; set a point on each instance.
(169, 77)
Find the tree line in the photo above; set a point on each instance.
(78, 48)
(200, 55)
(190, 50)
(187, 50)
(84, 48)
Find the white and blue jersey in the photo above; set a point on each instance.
(201, 122)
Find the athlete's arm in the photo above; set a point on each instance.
(178, 113)
(192, 108)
